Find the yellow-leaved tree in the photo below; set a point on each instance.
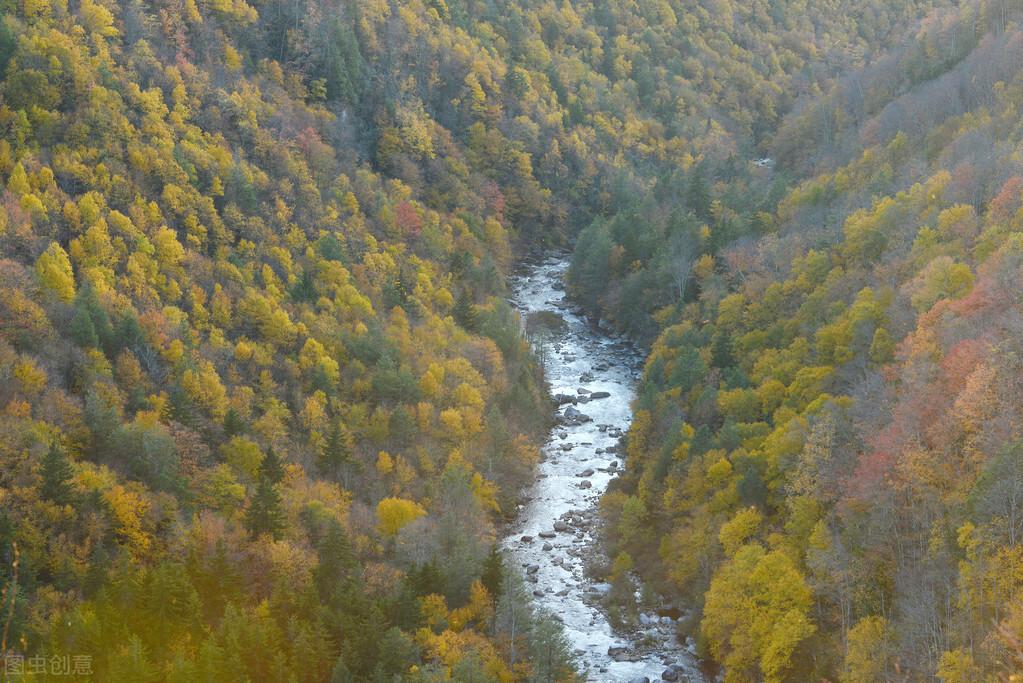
(395, 513)
(53, 268)
(756, 614)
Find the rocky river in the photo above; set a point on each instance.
(592, 376)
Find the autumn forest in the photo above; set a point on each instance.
(269, 401)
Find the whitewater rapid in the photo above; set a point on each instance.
(554, 534)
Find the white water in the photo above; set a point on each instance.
(561, 585)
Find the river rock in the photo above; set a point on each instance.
(586, 377)
(532, 569)
(616, 651)
(669, 675)
(547, 534)
(586, 484)
(562, 399)
(588, 472)
(641, 679)
(575, 416)
(548, 547)
(560, 526)
(537, 594)
(599, 394)
(526, 539)
(582, 392)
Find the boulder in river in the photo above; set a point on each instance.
(599, 394)
(526, 539)
(616, 651)
(586, 484)
(560, 526)
(669, 675)
(547, 534)
(548, 547)
(574, 416)
(641, 679)
(532, 568)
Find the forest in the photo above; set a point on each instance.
(265, 408)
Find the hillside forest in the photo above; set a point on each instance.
(265, 407)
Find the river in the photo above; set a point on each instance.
(554, 533)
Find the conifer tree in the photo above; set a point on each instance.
(465, 311)
(265, 515)
(56, 473)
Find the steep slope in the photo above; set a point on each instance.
(828, 434)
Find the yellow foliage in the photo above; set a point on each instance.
(395, 513)
(53, 268)
(741, 528)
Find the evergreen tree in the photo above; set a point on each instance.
(57, 473)
(272, 467)
(83, 332)
(233, 423)
(465, 311)
(336, 451)
(265, 515)
(493, 573)
(550, 651)
(698, 197)
(335, 571)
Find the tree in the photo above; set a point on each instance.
(53, 268)
(465, 311)
(395, 513)
(550, 651)
(335, 573)
(756, 614)
(868, 652)
(57, 474)
(681, 254)
(335, 455)
(265, 514)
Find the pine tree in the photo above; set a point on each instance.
(83, 332)
(334, 573)
(265, 515)
(272, 467)
(465, 311)
(57, 474)
(336, 451)
(698, 197)
(493, 573)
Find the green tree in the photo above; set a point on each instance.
(265, 514)
(465, 311)
(57, 474)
